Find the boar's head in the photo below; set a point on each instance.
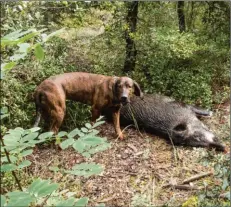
(193, 132)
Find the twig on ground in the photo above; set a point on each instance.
(182, 186)
(185, 187)
(196, 177)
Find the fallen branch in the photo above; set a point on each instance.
(196, 177)
(185, 187)
(182, 186)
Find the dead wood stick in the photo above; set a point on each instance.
(196, 177)
(186, 181)
(185, 187)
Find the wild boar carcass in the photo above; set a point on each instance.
(166, 117)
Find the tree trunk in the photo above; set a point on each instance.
(181, 17)
(131, 52)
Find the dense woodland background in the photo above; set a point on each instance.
(180, 49)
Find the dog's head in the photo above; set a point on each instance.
(124, 87)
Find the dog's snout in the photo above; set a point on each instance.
(124, 98)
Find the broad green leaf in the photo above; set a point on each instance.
(24, 163)
(73, 133)
(42, 188)
(27, 37)
(79, 146)
(18, 198)
(92, 133)
(66, 143)
(16, 34)
(8, 167)
(82, 202)
(88, 125)
(81, 134)
(46, 135)
(47, 189)
(14, 136)
(68, 202)
(20, 148)
(62, 134)
(30, 136)
(54, 169)
(38, 51)
(94, 140)
(19, 129)
(3, 200)
(32, 143)
(4, 116)
(7, 66)
(4, 110)
(26, 152)
(97, 124)
(23, 47)
(33, 187)
(16, 133)
(83, 129)
(34, 129)
(86, 169)
(99, 148)
(18, 56)
(17, 37)
(12, 159)
(11, 140)
(86, 154)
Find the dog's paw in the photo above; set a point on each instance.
(121, 136)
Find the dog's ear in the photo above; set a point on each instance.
(115, 87)
(137, 90)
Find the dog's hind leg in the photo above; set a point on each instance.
(57, 117)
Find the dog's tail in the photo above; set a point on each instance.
(38, 117)
(38, 100)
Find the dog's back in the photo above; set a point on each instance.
(77, 86)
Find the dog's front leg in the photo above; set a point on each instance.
(95, 113)
(116, 121)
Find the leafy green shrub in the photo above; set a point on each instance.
(18, 143)
(40, 192)
(179, 66)
(19, 85)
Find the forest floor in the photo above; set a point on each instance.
(135, 169)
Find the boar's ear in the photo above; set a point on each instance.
(201, 112)
(180, 127)
(137, 91)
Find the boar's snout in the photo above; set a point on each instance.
(217, 145)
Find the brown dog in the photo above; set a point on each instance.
(99, 91)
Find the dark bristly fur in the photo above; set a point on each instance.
(166, 117)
